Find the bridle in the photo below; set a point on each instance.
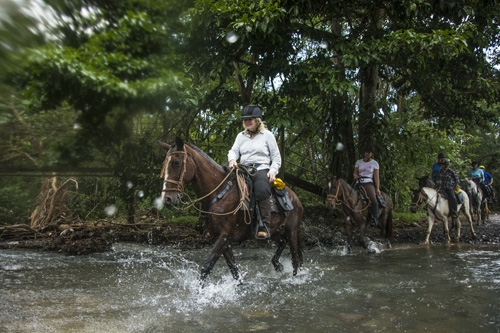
(179, 183)
(419, 201)
(335, 198)
(191, 203)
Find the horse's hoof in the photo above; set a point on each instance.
(279, 268)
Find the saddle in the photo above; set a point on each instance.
(362, 194)
(280, 200)
(458, 196)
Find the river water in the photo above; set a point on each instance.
(137, 288)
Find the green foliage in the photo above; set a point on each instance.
(412, 76)
(409, 217)
(18, 198)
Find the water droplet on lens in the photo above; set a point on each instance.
(110, 210)
(158, 203)
(232, 37)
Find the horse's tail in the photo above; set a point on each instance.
(389, 230)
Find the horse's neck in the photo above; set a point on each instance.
(347, 193)
(207, 175)
(432, 196)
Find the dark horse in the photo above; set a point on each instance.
(356, 209)
(221, 199)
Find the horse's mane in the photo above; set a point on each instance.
(204, 155)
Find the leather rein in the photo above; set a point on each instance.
(242, 189)
(334, 198)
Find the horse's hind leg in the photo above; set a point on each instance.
(276, 258)
(295, 249)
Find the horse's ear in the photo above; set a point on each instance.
(164, 145)
(179, 144)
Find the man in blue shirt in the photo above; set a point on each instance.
(436, 167)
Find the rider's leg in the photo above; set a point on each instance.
(262, 190)
(372, 194)
(452, 202)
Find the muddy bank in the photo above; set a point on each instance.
(321, 227)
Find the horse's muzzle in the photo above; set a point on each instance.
(171, 200)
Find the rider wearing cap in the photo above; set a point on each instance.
(367, 171)
(436, 167)
(447, 179)
(256, 147)
(477, 176)
(488, 181)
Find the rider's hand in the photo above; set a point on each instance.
(233, 164)
(271, 176)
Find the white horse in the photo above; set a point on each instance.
(437, 208)
(478, 203)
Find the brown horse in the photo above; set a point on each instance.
(356, 210)
(221, 200)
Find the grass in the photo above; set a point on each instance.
(409, 217)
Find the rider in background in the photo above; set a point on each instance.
(477, 176)
(447, 179)
(436, 167)
(488, 181)
(367, 171)
(256, 147)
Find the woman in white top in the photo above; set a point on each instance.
(367, 171)
(256, 147)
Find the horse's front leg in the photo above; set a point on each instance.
(429, 228)
(348, 229)
(231, 262)
(459, 226)
(214, 255)
(362, 230)
(469, 218)
(446, 230)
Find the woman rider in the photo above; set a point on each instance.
(256, 147)
(477, 175)
(367, 171)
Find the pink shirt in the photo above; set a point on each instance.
(366, 170)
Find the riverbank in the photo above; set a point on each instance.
(322, 227)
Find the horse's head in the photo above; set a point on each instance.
(469, 185)
(425, 181)
(177, 171)
(332, 191)
(416, 200)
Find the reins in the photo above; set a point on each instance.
(432, 209)
(191, 203)
(345, 201)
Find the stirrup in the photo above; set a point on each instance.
(262, 232)
(262, 235)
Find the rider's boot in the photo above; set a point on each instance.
(374, 219)
(265, 214)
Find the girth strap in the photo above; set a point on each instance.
(220, 194)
